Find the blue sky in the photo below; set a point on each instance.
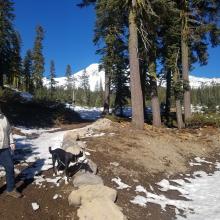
(69, 34)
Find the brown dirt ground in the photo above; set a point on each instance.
(144, 158)
(149, 156)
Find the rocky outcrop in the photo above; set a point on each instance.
(87, 179)
(100, 209)
(96, 201)
(87, 193)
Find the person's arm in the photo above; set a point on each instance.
(11, 139)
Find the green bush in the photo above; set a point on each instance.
(201, 120)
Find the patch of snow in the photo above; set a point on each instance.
(116, 164)
(55, 196)
(35, 206)
(156, 199)
(194, 164)
(121, 185)
(26, 96)
(139, 200)
(2, 173)
(165, 186)
(35, 150)
(99, 135)
(201, 160)
(202, 193)
(87, 153)
(89, 113)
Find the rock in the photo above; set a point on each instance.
(100, 209)
(116, 164)
(75, 135)
(73, 150)
(71, 137)
(86, 179)
(90, 192)
(101, 124)
(81, 144)
(92, 166)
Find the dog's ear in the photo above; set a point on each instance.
(50, 150)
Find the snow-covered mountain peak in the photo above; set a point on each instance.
(97, 77)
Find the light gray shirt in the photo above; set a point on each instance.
(5, 133)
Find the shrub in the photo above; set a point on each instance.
(201, 120)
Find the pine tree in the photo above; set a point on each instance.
(6, 37)
(70, 82)
(15, 77)
(38, 58)
(135, 82)
(52, 78)
(198, 20)
(84, 85)
(27, 71)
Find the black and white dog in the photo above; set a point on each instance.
(63, 159)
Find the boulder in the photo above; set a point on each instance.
(92, 166)
(86, 179)
(71, 137)
(100, 209)
(101, 124)
(73, 150)
(90, 192)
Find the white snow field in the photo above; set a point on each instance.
(201, 195)
(33, 148)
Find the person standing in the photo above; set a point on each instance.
(6, 160)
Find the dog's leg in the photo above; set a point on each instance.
(54, 166)
(66, 169)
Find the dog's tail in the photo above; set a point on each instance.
(50, 150)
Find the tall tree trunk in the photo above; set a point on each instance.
(143, 81)
(154, 94)
(1, 81)
(107, 93)
(185, 61)
(155, 104)
(179, 116)
(178, 93)
(135, 82)
(168, 96)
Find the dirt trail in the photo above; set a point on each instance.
(143, 158)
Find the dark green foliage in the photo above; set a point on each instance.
(15, 77)
(27, 71)
(52, 77)
(38, 58)
(84, 88)
(6, 37)
(206, 96)
(109, 31)
(201, 120)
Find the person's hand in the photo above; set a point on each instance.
(12, 146)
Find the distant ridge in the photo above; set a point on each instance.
(95, 76)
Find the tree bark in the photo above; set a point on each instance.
(1, 81)
(135, 82)
(179, 116)
(168, 96)
(155, 104)
(154, 93)
(143, 81)
(185, 62)
(107, 94)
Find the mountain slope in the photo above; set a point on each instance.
(96, 77)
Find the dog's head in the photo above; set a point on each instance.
(75, 157)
